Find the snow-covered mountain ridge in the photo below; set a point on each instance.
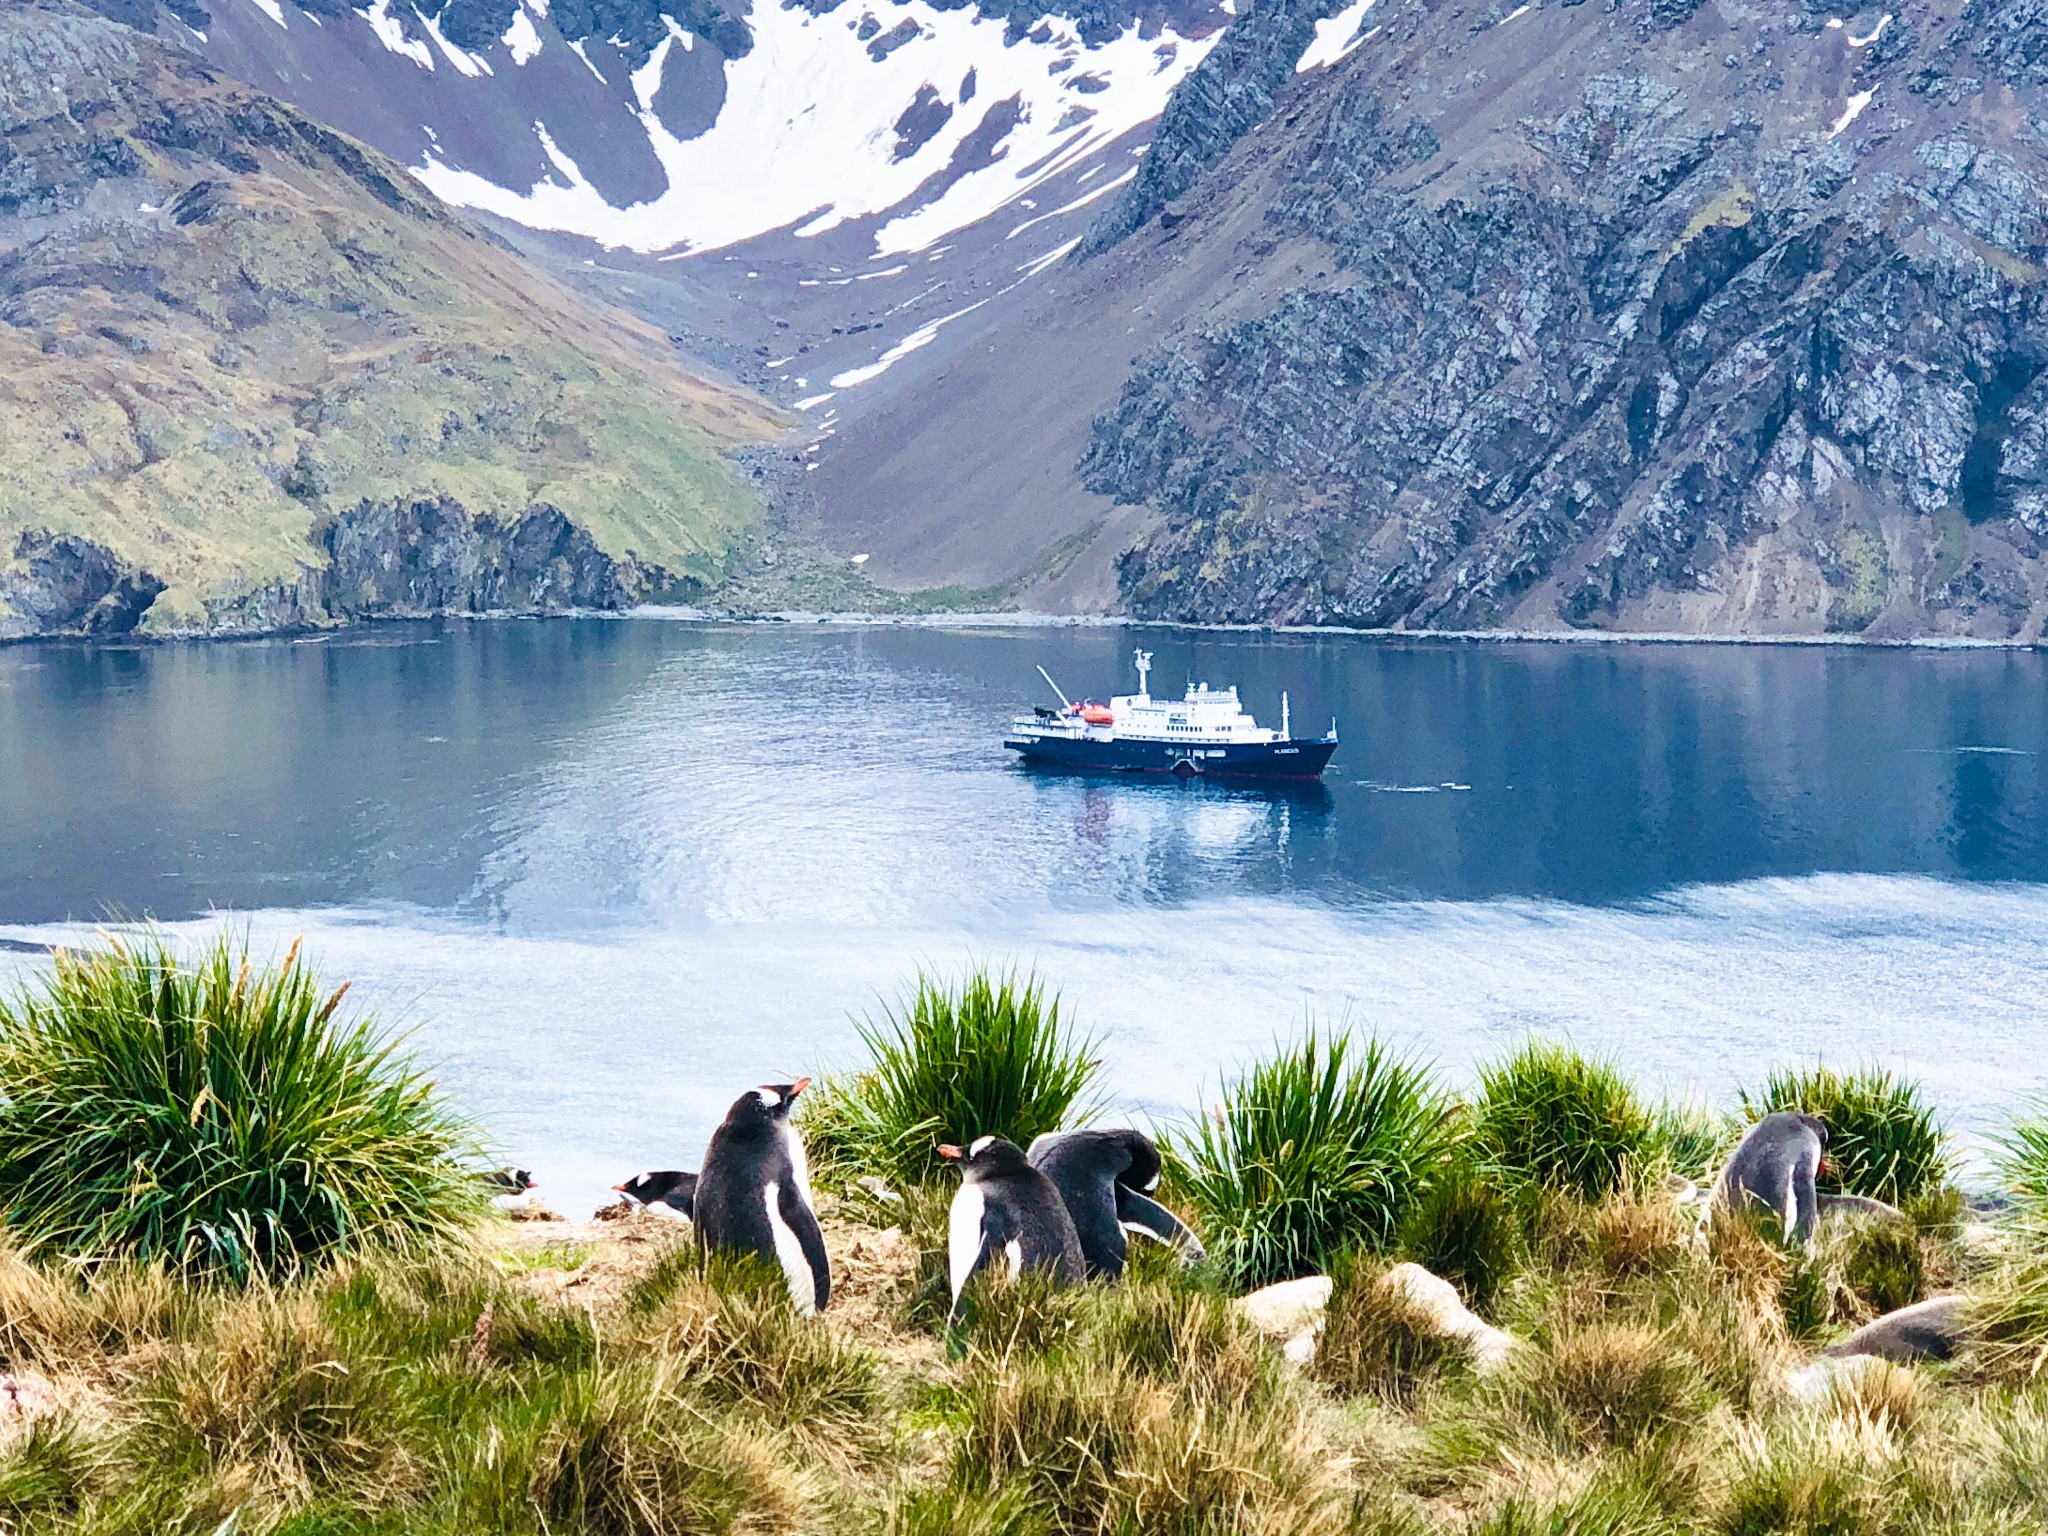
(674, 127)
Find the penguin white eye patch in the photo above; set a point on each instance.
(980, 1145)
(768, 1096)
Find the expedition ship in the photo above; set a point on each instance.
(1208, 732)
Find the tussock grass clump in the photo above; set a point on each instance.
(1379, 1341)
(2008, 1319)
(1884, 1140)
(1607, 1384)
(1607, 1506)
(1695, 1140)
(1030, 1315)
(1319, 1148)
(269, 1397)
(47, 1473)
(218, 1115)
(1881, 1264)
(2023, 1163)
(54, 1320)
(1828, 1475)
(1095, 1446)
(1562, 1120)
(454, 1309)
(993, 1057)
(730, 1332)
(1470, 1226)
(614, 1451)
(1168, 1331)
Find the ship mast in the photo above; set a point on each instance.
(1144, 671)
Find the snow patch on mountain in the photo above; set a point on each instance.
(390, 32)
(809, 133)
(1335, 37)
(465, 62)
(521, 39)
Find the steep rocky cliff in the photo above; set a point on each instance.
(251, 376)
(1695, 315)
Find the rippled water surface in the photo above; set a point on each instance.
(623, 869)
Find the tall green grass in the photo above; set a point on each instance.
(1884, 1139)
(2023, 1162)
(1564, 1121)
(1322, 1147)
(993, 1057)
(216, 1115)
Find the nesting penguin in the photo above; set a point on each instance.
(1774, 1169)
(1006, 1213)
(667, 1192)
(511, 1189)
(753, 1193)
(1105, 1179)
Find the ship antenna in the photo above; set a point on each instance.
(1055, 687)
(1144, 671)
(1286, 734)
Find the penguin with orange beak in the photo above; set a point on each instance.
(1008, 1216)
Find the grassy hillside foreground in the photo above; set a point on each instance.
(226, 327)
(240, 1291)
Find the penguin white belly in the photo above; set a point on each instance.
(789, 1253)
(800, 1164)
(1014, 1251)
(963, 1235)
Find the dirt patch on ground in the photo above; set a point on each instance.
(595, 1263)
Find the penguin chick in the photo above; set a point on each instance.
(1006, 1213)
(1106, 1179)
(1774, 1170)
(754, 1194)
(664, 1193)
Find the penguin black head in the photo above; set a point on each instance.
(769, 1104)
(987, 1157)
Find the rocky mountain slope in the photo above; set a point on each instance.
(251, 376)
(1689, 315)
(1652, 315)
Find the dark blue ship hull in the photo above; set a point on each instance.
(1301, 759)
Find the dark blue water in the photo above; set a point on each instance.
(625, 868)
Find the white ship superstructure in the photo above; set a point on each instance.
(1207, 730)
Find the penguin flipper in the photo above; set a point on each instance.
(1141, 1213)
(803, 1221)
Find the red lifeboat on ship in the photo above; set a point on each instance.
(1097, 714)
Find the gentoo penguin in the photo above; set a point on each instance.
(1774, 1168)
(1006, 1213)
(1106, 1179)
(754, 1193)
(511, 1188)
(666, 1193)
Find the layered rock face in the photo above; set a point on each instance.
(240, 353)
(1649, 315)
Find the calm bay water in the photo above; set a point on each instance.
(624, 869)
